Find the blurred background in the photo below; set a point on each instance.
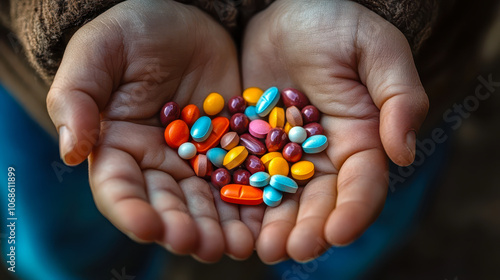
(456, 231)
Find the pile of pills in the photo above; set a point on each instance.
(248, 156)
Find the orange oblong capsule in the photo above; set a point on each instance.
(190, 114)
(242, 194)
(176, 133)
(220, 127)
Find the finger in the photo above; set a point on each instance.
(387, 69)
(362, 188)
(81, 88)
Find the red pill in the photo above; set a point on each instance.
(176, 133)
(292, 152)
(220, 177)
(253, 164)
(239, 123)
(276, 139)
(292, 97)
(310, 114)
(253, 145)
(314, 129)
(236, 105)
(169, 113)
(241, 194)
(190, 114)
(242, 177)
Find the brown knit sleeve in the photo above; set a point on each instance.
(414, 18)
(44, 27)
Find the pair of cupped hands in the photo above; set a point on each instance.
(120, 69)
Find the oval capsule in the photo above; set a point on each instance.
(190, 114)
(302, 170)
(220, 127)
(266, 159)
(276, 139)
(251, 113)
(292, 152)
(241, 194)
(297, 134)
(169, 113)
(260, 179)
(277, 117)
(201, 129)
(176, 133)
(253, 145)
(220, 177)
(259, 128)
(283, 183)
(216, 156)
(310, 114)
(236, 104)
(293, 97)
(187, 150)
(229, 140)
(252, 95)
(271, 196)
(315, 144)
(294, 116)
(313, 129)
(267, 101)
(213, 104)
(239, 123)
(235, 157)
(254, 164)
(278, 166)
(241, 176)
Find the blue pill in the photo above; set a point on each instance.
(260, 179)
(201, 129)
(216, 156)
(267, 101)
(251, 113)
(272, 197)
(283, 183)
(315, 144)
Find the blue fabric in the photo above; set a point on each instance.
(59, 232)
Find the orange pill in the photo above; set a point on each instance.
(176, 133)
(200, 165)
(241, 194)
(220, 127)
(190, 114)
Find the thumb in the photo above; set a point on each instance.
(81, 88)
(387, 69)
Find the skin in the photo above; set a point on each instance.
(119, 70)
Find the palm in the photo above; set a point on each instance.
(315, 46)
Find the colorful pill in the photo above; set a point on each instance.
(220, 127)
(220, 177)
(241, 194)
(292, 97)
(294, 116)
(266, 159)
(283, 183)
(241, 176)
(213, 104)
(253, 145)
(315, 144)
(190, 114)
(236, 104)
(176, 133)
(267, 101)
(235, 157)
(292, 152)
(169, 113)
(276, 139)
(302, 170)
(287, 127)
(277, 117)
(201, 129)
(251, 113)
(229, 140)
(252, 95)
(313, 129)
(260, 179)
(278, 166)
(200, 165)
(187, 150)
(297, 134)
(239, 123)
(310, 114)
(216, 156)
(254, 164)
(259, 128)
(272, 197)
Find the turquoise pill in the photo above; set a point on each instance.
(251, 113)
(315, 144)
(283, 183)
(272, 197)
(216, 156)
(187, 150)
(267, 101)
(201, 129)
(260, 179)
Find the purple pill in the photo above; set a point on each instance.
(254, 164)
(253, 145)
(310, 114)
(292, 97)
(314, 129)
(220, 177)
(170, 112)
(239, 123)
(242, 177)
(276, 139)
(236, 105)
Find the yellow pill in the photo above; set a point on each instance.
(252, 95)
(235, 157)
(287, 128)
(269, 156)
(278, 166)
(277, 117)
(213, 104)
(302, 170)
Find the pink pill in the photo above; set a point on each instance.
(259, 128)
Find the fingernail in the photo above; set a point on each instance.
(135, 238)
(66, 142)
(411, 140)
